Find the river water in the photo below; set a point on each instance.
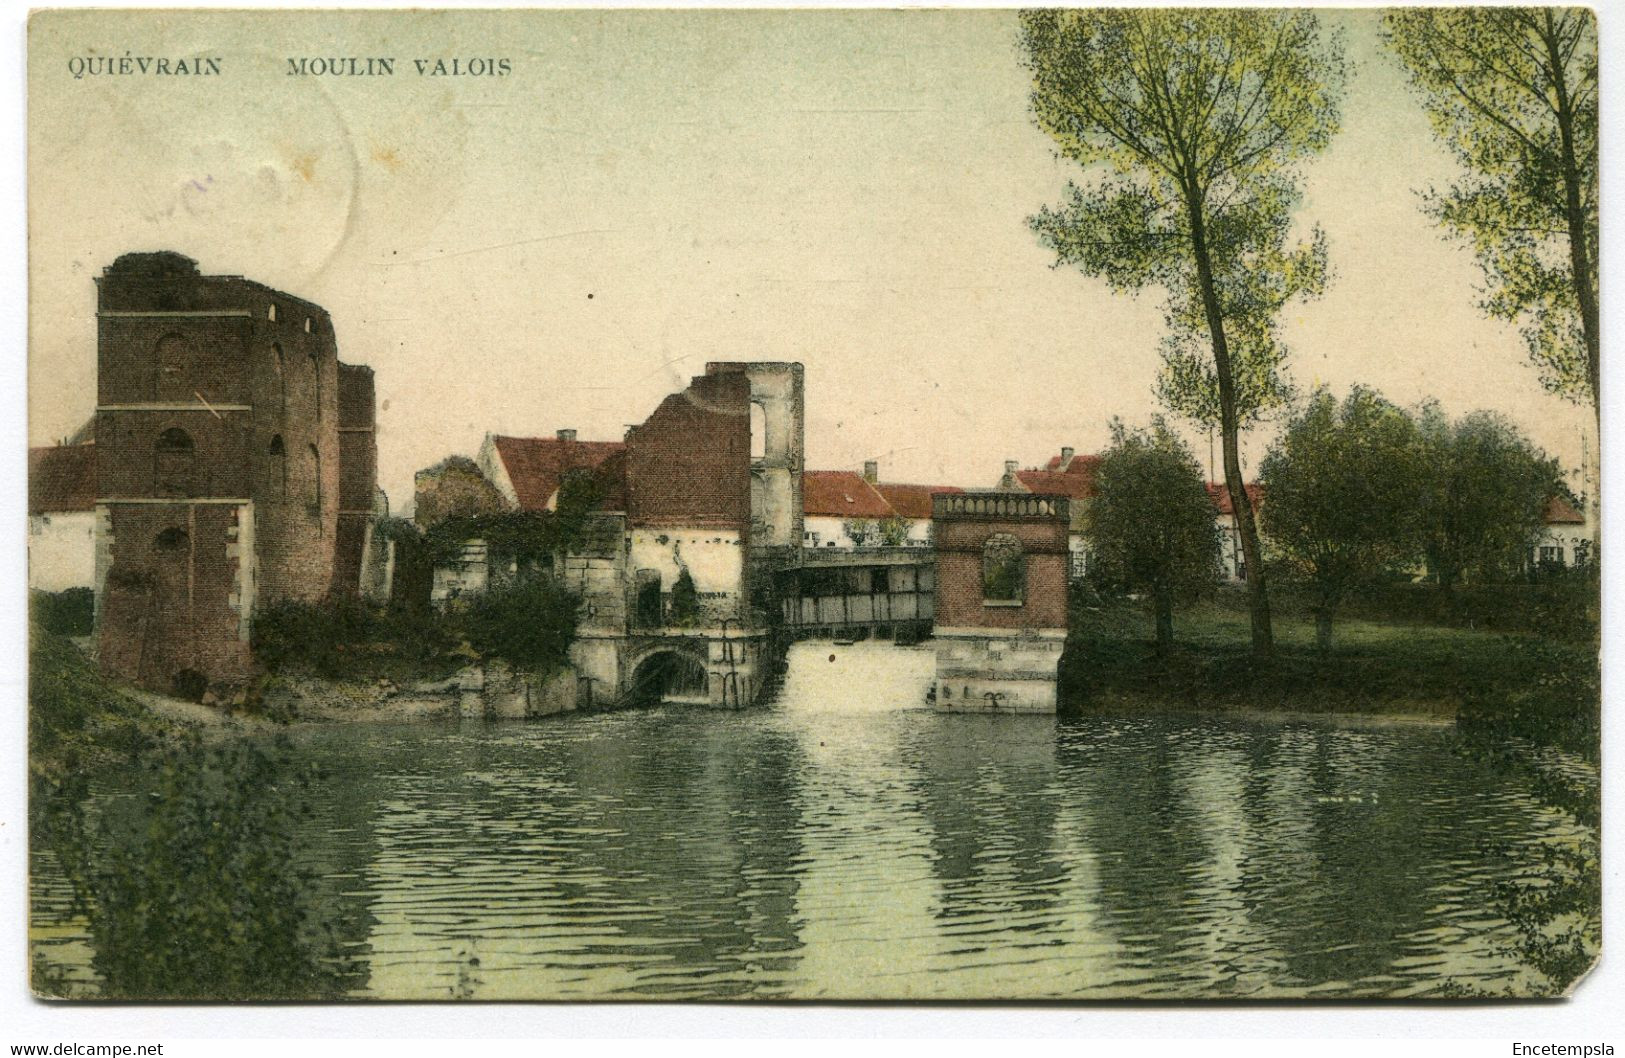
(844, 842)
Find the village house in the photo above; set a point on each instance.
(1073, 476)
(1232, 564)
(62, 514)
(1566, 537)
(1067, 474)
(847, 511)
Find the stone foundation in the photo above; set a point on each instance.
(981, 670)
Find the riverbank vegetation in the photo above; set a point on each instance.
(1379, 664)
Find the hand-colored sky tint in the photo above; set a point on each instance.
(651, 190)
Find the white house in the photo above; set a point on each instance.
(62, 517)
(1566, 538)
(846, 511)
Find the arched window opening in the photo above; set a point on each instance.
(270, 312)
(172, 463)
(316, 384)
(280, 366)
(758, 431)
(279, 468)
(170, 543)
(1004, 570)
(172, 354)
(315, 480)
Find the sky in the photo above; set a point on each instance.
(647, 191)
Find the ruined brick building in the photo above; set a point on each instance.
(235, 466)
(705, 492)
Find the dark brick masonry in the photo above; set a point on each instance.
(229, 439)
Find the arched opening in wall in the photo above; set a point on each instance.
(278, 466)
(1004, 570)
(190, 684)
(668, 676)
(280, 366)
(648, 608)
(173, 463)
(316, 383)
(315, 495)
(171, 355)
(170, 543)
(758, 431)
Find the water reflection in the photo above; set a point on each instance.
(882, 850)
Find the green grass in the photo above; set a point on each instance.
(1374, 666)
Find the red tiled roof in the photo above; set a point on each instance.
(1558, 512)
(911, 501)
(1221, 496)
(841, 494)
(1076, 481)
(62, 478)
(536, 465)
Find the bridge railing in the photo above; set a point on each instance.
(1005, 506)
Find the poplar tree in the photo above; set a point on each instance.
(1512, 93)
(1191, 126)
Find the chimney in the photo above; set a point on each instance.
(1066, 456)
(567, 435)
(1010, 466)
(871, 470)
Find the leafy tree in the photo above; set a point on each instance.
(893, 531)
(1192, 125)
(195, 890)
(1512, 92)
(529, 622)
(1151, 524)
(1344, 488)
(859, 530)
(1488, 487)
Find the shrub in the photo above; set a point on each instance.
(529, 623)
(193, 891)
(345, 638)
(66, 613)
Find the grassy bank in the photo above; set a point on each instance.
(75, 716)
(1375, 666)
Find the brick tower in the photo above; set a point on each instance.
(220, 466)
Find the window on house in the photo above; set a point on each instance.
(1004, 570)
(279, 468)
(173, 463)
(879, 582)
(1550, 556)
(172, 355)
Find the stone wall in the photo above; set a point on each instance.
(959, 548)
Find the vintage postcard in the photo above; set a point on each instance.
(813, 504)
